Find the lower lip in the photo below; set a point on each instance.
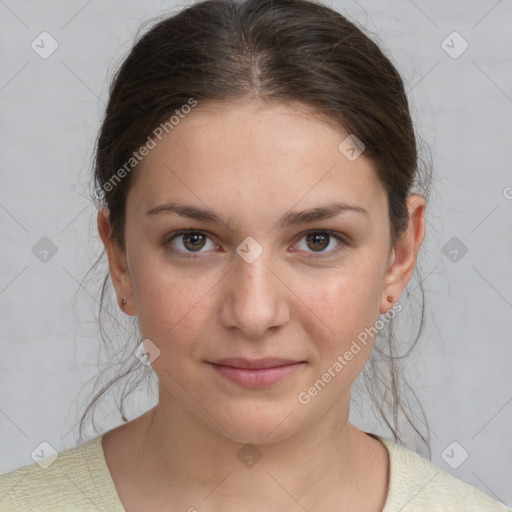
(256, 377)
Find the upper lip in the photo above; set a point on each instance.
(241, 362)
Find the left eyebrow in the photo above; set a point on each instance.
(319, 213)
(291, 218)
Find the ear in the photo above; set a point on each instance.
(117, 264)
(403, 260)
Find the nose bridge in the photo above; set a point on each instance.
(254, 278)
(255, 298)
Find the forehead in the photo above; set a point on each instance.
(252, 156)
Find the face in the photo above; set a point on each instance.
(276, 251)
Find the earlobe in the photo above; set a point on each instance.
(404, 254)
(117, 264)
(387, 298)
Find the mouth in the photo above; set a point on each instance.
(256, 373)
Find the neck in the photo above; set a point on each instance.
(325, 461)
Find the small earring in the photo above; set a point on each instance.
(390, 299)
(123, 301)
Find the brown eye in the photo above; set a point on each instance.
(193, 241)
(318, 241)
(323, 243)
(190, 243)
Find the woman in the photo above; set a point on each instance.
(257, 164)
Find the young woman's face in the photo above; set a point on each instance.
(285, 256)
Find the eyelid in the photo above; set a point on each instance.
(188, 254)
(341, 238)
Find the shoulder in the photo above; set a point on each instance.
(77, 480)
(415, 484)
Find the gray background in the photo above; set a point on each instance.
(51, 110)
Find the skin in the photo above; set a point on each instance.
(251, 163)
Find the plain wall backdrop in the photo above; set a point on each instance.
(455, 59)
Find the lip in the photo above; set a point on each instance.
(267, 362)
(256, 373)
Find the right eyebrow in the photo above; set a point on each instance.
(186, 210)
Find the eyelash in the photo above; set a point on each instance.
(191, 255)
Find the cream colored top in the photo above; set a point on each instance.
(79, 480)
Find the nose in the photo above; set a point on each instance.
(255, 298)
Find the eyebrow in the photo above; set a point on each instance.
(288, 219)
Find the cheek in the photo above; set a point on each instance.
(173, 310)
(343, 304)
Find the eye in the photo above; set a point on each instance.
(189, 242)
(319, 241)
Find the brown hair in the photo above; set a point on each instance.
(275, 51)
